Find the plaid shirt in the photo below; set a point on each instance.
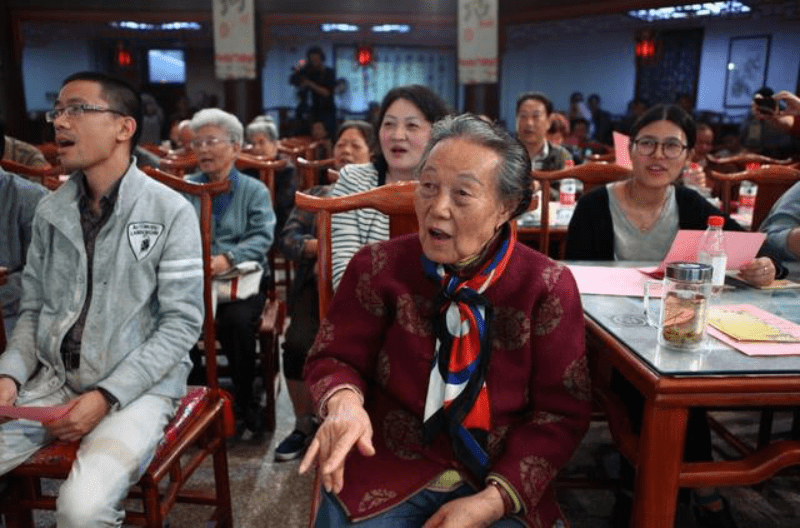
(91, 224)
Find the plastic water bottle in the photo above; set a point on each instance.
(566, 196)
(747, 197)
(711, 251)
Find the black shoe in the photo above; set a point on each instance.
(721, 518)
(293, 446)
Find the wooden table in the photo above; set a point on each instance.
(672, 382)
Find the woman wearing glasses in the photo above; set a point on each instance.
(637, 219)
(243, 228)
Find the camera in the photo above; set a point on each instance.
(766, 104)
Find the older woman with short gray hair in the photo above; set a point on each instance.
(243, 231)
(450, 370)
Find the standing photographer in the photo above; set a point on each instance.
(315, 84)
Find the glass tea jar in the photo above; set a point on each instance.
(685, 294)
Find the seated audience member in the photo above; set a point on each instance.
(152, 120)
(694, 174)
(559, 130)
(601, 120)
(320, 134)
(406, 116)
(577, 108)
(19, 151)
(262, 133)
(484, 451)
(243, 229)
(637, 219)
(18, 200)
(181, 135)
(298, 242)
(763, 136)
(636, 107)
(782, 225)
(533, 120)
(114, 279)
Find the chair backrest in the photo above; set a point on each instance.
(772, 180)
(178, 166)
(395, 200)
(591, 174)
(47, 176)
(266, 169)
(310, 170)
(3, 279)
(50, 152)
(206, 193)
(740, 162)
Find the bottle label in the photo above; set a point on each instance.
(718, 264)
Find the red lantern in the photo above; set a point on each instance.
(364, 55)
(124, 57)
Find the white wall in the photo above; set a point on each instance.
(44, 67)
(784, 59)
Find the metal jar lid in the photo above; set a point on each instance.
(689, 271)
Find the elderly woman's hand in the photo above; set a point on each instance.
(478, 510)
(760, 272)
(220, 264)
(347, 424)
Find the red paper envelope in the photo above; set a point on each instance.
(37, 414)
(623, 157)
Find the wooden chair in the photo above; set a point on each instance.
(50, 152)
(152, 148)
(294, 146)
(178, 166)
(740, 162)
(310, 170)
(198, 431)
(270, 327)
(3, 280)
(772, 180)
(47, 176)
(395, 200)
(591, 174)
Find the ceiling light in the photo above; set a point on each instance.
(345, 28)
(391, 28)
(731, 7)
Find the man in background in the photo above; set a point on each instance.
(18, 200)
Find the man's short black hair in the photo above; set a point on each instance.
(538, 96)
(122, 97)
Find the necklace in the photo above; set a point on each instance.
(641, 218)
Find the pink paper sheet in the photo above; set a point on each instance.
(623, 157)
(741, 248)
(37, 414)
(757, 349)
(604, 280)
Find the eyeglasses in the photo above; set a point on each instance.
(672, 148)
(212, 142)
(77, 110)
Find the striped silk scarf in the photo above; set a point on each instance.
(457, 399)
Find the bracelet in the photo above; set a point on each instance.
(508, 502)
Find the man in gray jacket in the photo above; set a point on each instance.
(111, 305)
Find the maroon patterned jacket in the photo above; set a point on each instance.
(377, 337)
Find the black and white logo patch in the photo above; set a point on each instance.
(142, 237)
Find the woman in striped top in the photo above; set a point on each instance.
(405, 120)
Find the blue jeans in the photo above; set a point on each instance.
(412, 513)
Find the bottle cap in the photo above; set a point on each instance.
(716, 221)
(689, 271)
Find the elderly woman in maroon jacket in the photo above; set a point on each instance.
(450, 370)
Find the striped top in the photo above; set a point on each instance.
(352, 230)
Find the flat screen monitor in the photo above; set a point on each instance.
(166, 66)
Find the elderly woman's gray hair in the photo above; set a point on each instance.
(216, 117)
(262, 125)
(514, 181)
